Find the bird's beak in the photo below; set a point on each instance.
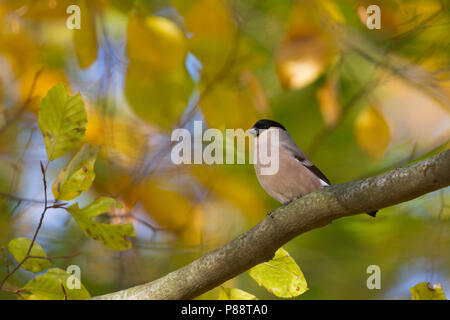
(253, 131)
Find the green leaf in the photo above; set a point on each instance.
(49, 287)
(281, 276)
(77, 176)
(113, 236)
(62, 120)
(427, 291)
(235, 294)
(19, 248)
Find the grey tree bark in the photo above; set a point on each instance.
(307, 213)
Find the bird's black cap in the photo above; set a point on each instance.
(266, 124)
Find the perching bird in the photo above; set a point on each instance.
(296, 175)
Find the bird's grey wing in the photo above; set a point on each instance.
(300, 156)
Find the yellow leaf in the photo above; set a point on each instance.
(156, 41)
(372, 132)
(328, 102)
(53, 285)
(210, 18)
(174, 211)
(427, 291)
(19, 49)
(46, 79)
(415, 116)
(157, 85)
(305, 51)
(332, 8)
(114, 179)
(281, 276)
(235, 294)
(213, 29)
(77, 176)
(232, 104)
(124, 139)
(159, 97)
(85, 39)
(193, 232)
(300, 61)
(19, 249)
(170, 209)
(43, 10)
(233, 187)
(256, 91)
(398, 17)
(113, 236)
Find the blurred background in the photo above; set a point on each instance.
(357, 101)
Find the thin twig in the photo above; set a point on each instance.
(17, 292)
(24, 104)
(11, 212)
(64, 291)
(20, 199)
(5, 257)
(145, 223)
(46, 207)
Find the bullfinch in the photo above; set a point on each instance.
(296, 175)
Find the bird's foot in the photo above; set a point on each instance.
(270, 214)
(287, 203)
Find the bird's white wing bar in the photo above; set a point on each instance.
(323, 179)
(303, 159)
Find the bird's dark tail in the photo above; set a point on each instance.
(372, 213)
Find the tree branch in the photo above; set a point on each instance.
(309, 212)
